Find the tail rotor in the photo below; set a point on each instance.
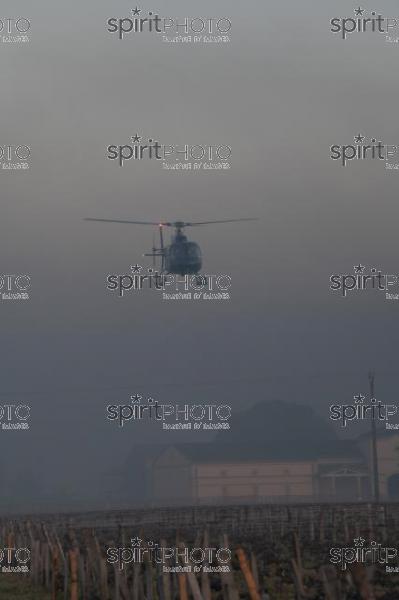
(153, 250)
(162, 247)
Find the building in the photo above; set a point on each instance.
(224, 473)
(388, 461)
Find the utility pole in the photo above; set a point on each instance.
(374, 453)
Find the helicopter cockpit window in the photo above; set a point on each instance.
(177, 251)
(193, 250)
(188, 250)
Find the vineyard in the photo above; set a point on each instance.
(258, 552)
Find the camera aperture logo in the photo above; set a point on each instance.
(361, 410)
(173, 157)
(172, 286)
(15, 157)
(362, 282)
(14, 30)
(368, 555)
(362, 150)
(174, 559)
(180, 30)
(14, 287)
(14, 416)
(172, 416)
(368, 23)
(14, 560)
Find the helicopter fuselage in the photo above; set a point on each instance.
(180, 257)
(183, 257)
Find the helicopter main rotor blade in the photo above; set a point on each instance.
(222, 221)
(176, 224)
(132, 222)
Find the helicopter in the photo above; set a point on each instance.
(181, 256)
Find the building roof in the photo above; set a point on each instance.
(217, 452)
(381, 433)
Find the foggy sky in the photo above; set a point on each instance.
(281, 93)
